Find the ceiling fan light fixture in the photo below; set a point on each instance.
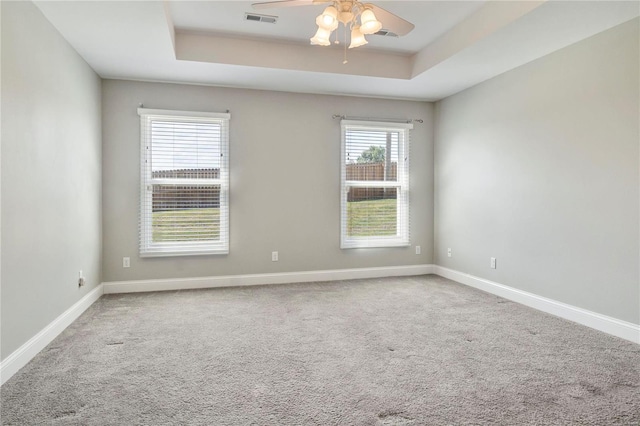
(328, 19)
(346, 17)
(357, 38)
(321, 23)
(322, 37)
(369, 24)
(357, 17)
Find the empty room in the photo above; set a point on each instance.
(310, 212)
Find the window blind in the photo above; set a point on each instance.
(184, 193)
(375, 184)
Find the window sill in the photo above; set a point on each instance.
(381, 243)
(183, 253)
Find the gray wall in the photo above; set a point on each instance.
(51, 178)
(285, 180)
(539, 168)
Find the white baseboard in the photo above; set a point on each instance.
(260, 279)
(25, 353)
(613, 326)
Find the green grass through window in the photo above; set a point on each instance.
(371, 218)
(364, 219)
(186, 225)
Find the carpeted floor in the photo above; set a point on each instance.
(397, 351)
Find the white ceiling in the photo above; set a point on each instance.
(455, 45)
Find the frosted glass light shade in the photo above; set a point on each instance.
(321, 38)
(321, 23)
(329, 19)
(368, 22)
(357, 38)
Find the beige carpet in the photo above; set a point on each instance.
(398, 351)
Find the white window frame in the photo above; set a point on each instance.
(402, 237)
(147, 247)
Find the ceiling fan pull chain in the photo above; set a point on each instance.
(345, 46)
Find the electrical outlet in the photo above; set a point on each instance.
(493, 263)
(449, 252)
(274, 256)
(418, 250)
(80, 279)
(126, 262)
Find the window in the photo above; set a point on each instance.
(184, 194)
(375, 184)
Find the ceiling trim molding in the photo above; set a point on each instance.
(211, 48)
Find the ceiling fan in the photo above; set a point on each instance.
(360, 18)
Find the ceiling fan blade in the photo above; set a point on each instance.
(287, 3)
(391, 22)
